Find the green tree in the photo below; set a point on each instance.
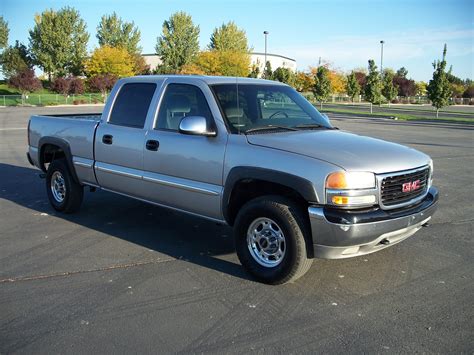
(402, 73)
(322, 85)
(373, 86)
(114, 32)
(284, 75)
(228, 37)
(389, 90)
(439, 88)
(255, 70)
(3, 33)
(58, 42)
(352, 86)
(420, 88)
(15, 59)
(179, 43)
(267, 71)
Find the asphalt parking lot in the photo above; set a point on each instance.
(122, 276)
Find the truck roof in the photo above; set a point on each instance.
(204, 78)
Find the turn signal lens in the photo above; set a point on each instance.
(353, 200)
(342, 180)
(336, 181)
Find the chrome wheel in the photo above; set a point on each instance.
(58, 186)
(266, 242)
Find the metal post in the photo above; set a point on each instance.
(381, 57)
(266, 34)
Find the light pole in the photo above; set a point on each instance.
(266, 34)
(381, 57)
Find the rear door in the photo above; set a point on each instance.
(119, 141)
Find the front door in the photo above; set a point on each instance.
(185, 171)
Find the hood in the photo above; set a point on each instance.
(347, 150)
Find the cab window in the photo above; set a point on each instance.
(181, 100)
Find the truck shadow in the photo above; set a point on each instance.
(168, 232)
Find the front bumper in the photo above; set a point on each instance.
(341, 234)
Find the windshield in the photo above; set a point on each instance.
(252, 107)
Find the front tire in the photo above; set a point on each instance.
(64, 194)
(270, 240)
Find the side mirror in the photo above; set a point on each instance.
(196, 126)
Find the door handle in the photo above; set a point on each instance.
(107, 139)
(152, 145)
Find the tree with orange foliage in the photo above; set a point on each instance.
(304, 82)
(338, 82)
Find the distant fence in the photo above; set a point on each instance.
(51, 99)
(420, 100)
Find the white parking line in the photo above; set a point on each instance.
(12, 129)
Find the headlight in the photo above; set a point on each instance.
(342, 180)
(351, 189)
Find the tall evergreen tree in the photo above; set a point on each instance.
(3, 33)
(114, 32)
(58, 42)
(439, 88)
(373, 85)
(322, 85)
(389, 90)
(352, 86)
(267, 71)
(179, 43)
(228, 37)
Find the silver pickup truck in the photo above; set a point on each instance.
(253, 154)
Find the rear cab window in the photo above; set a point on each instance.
(131, 105)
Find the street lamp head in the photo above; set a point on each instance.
(382, 42)
(265, 32)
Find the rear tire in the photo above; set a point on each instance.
(270, 236)
(64, 194)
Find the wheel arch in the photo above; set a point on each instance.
(245, 183)
(51, 148)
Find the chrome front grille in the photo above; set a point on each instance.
(396, 189)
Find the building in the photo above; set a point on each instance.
(276, 61)
(256, 58)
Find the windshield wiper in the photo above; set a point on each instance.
(270, 128)
(312, 126)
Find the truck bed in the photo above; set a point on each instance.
(77, 130)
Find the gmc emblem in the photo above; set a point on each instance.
(411, 186)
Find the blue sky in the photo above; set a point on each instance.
(343, 33)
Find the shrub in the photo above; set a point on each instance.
(76, 86)
(61, 85)
(102, 83)
(25, 81)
